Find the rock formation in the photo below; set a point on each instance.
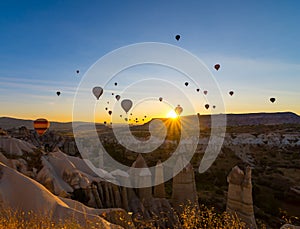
(159, 190)
(184, 185)
(239, 199)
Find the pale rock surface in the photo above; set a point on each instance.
(239, 197)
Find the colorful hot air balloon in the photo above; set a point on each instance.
(178, 110)
(231, 93)
(97, 91)
(41, 125)
(205, 92)
(217, 66)
(186, 84)
(177, 37)
(58, 93)
(117, 97)
(160, 99)
(206, 106)
(126, 104)
(272, 100)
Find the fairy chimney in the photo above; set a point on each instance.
(239, 199)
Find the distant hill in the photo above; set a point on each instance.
(232, 120)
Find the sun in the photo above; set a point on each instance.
(172, 114)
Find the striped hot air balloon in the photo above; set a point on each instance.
(41, 125)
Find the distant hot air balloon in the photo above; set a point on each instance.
(126, 119)
(214, 106)
(177, 37)
(121, 116)
(41, 125)
(145, 116)
(58, 93)
(178, 110)
(130, 113)
(217, 66)
(97, 91)
(272, 100)
(186, 84)
(126, 104)
(231, 93)
(116, 83)
(143, 120)
(77, 71)
(117, 97)
(109, 112)
(205, 92)
(106, 108)
(160, 99)
(104, 122)
(206, 106)
(197, 89)
(107, 102)
(112, 93)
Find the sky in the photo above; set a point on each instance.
(43, 43)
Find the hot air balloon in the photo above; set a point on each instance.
(77, 71)
(116, 83)
(205, 92)
(41, 125)
(130, 113)
(109, 112)
(231, 93)
(177, 37)
(143, 120)
(206, 106)
(217, 66)
(272, 100)
(126, 119)
(104, 122)
(214, 106)
(106, 108)
(197, 89)
(97, 91)
(186, 84)
(160, 99)
(126, 104)
(112, 93)
(121, 116)
(107, 102)
(145, 116)
(117, 97)
(178, 110)
(58, 93)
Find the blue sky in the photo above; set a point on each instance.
(43, 43)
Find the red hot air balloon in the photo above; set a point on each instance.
(177, 37)
(217, 66)
(272, 100)
(231, 93)
(41, 125)
(206, 106)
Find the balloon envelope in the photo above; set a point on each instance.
(186, 83)
(197, 89)
(58, 93)
(177, 37)
(77, 71)
(231, 93)
(206, 106)
(118, 97)
(126, 104)
(41, 125)
(109, 112)
(97, 91)
(116, 83)
(272, 100)
(217, 66)
(205, 92)
(178, 110)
